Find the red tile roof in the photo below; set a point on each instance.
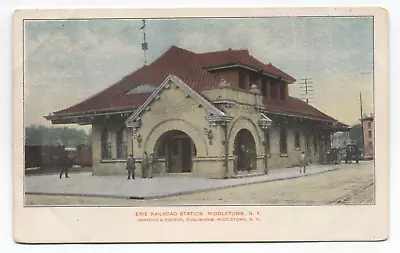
(190, 68)
(175, 61)
(295, 106)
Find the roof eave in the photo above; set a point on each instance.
(297, 115)
(89, 113)
(237, 65)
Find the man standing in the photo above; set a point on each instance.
(130, 166)
(302, 162)
(65, 167)
(145, 165)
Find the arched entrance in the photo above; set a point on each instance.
(245, 150)
(178, 150)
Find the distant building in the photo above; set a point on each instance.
(207, 114)
(369, 135)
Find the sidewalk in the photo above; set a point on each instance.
(84, 184)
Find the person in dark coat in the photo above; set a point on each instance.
(65, 167)
(130, 166)
(145, 165)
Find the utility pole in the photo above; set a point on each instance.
(308, 89)
(144, 44)
(362, 123)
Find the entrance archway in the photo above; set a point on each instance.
(245, 150)
(178, 149)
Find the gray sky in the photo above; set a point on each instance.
(69, 61)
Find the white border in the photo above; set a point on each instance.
(6, 8)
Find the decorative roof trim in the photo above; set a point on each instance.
(87, 114)
(186, 89)
(265, 118)
(224, 101)
(264, 122)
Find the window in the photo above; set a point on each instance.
(253, 80)
(264, 87)
(144, 88)
(370, 134)
(283, 141)
(315, 139)
(242, 83)
(297, 140)
(274, 90)
(122, 151)
(282, 91)
(105, 144)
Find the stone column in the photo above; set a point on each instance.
(96, 147)
(266, 151)
(129, 140)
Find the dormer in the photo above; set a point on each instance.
(241, 71)
(242, 79)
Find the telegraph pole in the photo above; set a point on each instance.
(362, 123)
(144, 44)
(308, 89)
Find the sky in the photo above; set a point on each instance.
(67, 61)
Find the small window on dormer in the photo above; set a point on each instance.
(143, 88)
(242, 83)
(282, 92)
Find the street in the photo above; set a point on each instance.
(351, 184)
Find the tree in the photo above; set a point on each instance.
(356, 135)
(41, 135)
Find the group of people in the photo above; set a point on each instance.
(147, 167)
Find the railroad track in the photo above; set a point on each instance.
(346, 197)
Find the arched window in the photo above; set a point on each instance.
(283, 141)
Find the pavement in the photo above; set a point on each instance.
(84, 184)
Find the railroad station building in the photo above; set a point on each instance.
(213, 115)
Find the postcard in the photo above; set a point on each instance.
(200, 125)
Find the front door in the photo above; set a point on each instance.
(175, 163)
(179, 155)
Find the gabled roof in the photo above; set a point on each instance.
(213, 111)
